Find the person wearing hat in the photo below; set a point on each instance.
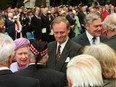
(38, 69)
(21, 54)
(8, 78)
(63, 13)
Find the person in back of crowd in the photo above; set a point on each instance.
(36, 25)
(18, 27)
(2, 22)
(72, 22)
(28, 21)
(10, 25)
(109, 25)
(107, 58)
(104, 13)
(21, 54)
(38, 69)
(45, 25)
(84, 71)
(92, 35)
(22, 20)
(7, 78)
(77, 24)
(63, 13)
(82, 14)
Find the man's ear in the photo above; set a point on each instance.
(87, 26)
(9, 60)
(69, 30)
(69, 82)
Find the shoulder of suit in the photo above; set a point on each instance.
(54, 74)
(74, 44)
(51, 44)
(103, 37)
(78, 37)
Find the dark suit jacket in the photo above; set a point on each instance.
(110, 83)
(28, 27)
(81, 16)
(45, 24)
(83, 40)
(9, 79)
(36, 25)
(71, 49)
(10, 26)
(47, 77)
(112, 42)
(71, 20)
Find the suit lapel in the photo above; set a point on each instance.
(52, 58)
(84, 40)
(64, 55)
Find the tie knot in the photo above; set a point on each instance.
(58, 52)
(59, 46)
(94, 38)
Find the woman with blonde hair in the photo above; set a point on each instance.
(107, 58)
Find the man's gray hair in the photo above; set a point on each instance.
(90, 18)
(84, 71)
(110, 22)
(7, 47)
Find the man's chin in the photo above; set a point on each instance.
(97, 35)
(59, 41)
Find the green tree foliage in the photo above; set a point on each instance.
(10, 3)
(4, 4)
(18, 3)
(113, 2)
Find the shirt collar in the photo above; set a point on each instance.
(62, 45)
(34, 63)
(90, 38)
(4, 68)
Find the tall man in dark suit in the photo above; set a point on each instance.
(81, 14)
(10, 26)
(109, 25)
(28, 22)
(37, 68)
(45, 25)
(72, 22)
(63, 49)
(36, 25)
(92, 35)
(7, 78)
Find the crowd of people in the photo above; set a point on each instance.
(60, 46)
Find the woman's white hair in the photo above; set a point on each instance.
(84, 71)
